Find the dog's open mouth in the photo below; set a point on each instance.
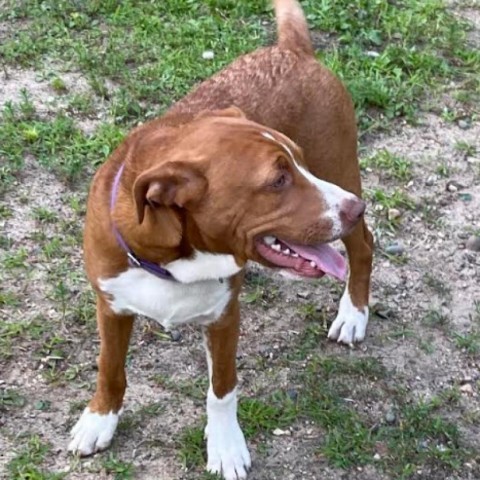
(303, 260)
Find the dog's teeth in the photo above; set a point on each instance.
(286, 251)
(313, 264)
(269, 240)
(294, 255)
(276, 247)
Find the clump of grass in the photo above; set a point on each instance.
(26, 465)
(393, 166)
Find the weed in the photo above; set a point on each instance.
(469, 342)
(121, 470)
(434, 318)
(26, 464)
(191, 446)
(392, 165)
(467, 149)
(257, 416)
(43, 215)
(15, 259)
(11, 399)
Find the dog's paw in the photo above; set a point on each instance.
(351, 322)
(227, 451)
(92, 433)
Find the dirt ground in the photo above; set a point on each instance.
(424, 302)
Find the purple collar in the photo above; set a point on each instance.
(133, 260)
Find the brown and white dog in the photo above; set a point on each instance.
(230, 173)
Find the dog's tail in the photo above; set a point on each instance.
(292, 26)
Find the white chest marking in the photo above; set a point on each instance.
(200, 295)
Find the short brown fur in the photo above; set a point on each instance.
(282, 88)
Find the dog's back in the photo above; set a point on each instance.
(284, 87)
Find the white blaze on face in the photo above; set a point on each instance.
(332, 194)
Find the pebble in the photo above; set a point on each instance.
(394, 213)
(279, 432)
(390, 417)
(473, 243)
(175, 335)
(453, 186)
(467, 388)
(303, 294)
(208, 55)
(463, 124)
(430, 181)
(377, 457)
(395, 249)
(292, 394)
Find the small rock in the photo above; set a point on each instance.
(390, 417)
(453, 186)
(430, 181)
(175, 335)
(393, 213)
(467, 388)
(463, 124)
(303, 294)
(377, 457)
(395, 249)
(473, 243)
(372, 53)
(278, 432)
(208, 55)
(292, 394)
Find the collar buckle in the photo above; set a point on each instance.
(133, 259)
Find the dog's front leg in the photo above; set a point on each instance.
(352, 319)
(226, 446)
(97, 424)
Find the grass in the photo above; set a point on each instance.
(418, 438)
(118, 469)
(26, 465)
(390, 165)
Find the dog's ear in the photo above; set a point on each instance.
(172, 184)
(232, 112)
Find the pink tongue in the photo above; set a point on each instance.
(326, 258)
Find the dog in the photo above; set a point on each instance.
(257, 163)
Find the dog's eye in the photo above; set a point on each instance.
(281, 181)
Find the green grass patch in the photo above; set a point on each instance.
(393, 54)
(390, 165)
(119, 469)
(418, 438)
(26, 465)
(57, 144)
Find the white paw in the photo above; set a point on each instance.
(92, 433)
(227, 451)
(226, 447)
(350, 324)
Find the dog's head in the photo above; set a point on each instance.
(244, 189)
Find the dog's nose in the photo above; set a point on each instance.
(352, 209)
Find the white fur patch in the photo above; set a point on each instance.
(169, 303)
(351, 322)
(333, 196)
(203, 266)
(226, 447)
(92, 433)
